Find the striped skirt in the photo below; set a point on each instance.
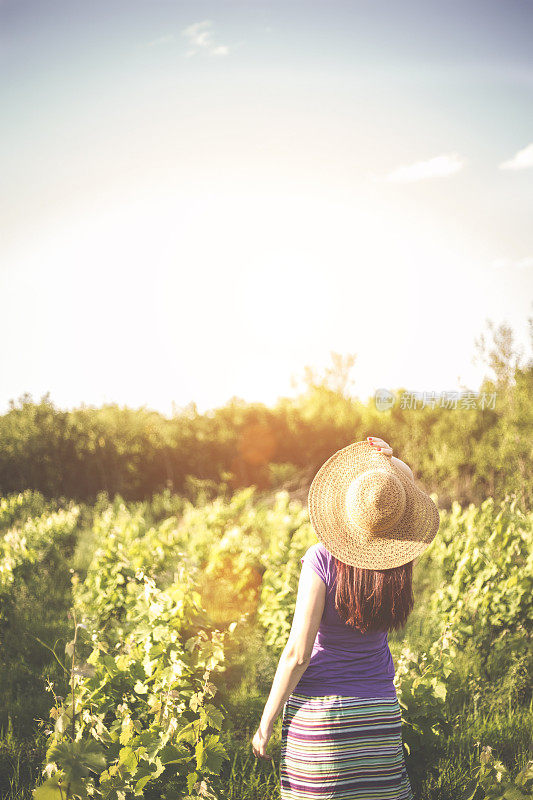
(342, 748)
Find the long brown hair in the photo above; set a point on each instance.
(374, 599)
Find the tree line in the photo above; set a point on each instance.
(464, 451)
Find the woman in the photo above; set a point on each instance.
(341, 729)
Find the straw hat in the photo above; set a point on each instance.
(367, 512)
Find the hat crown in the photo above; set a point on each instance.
(367, 512)
(375, 501)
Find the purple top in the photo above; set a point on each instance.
(344, 661)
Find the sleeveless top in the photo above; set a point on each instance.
(344, 661)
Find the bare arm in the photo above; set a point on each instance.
(386, 449)
(406, 468)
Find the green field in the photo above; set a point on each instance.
(140, 640)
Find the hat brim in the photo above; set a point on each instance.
(406, 540)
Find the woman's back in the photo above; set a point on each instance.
(344, 661)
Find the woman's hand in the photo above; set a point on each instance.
(260, 741)
(386, 449)
(380, 445)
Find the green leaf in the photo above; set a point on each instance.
(192, 777)
(49, 790)
(440, 690)
(472, 785)
(110, 665)
(77, 758)
(512, 793)
(187, 733)
(159, 768)
(525, 775)
(127, 758)
(61, 724)
(214, 754)
(199, 752)
(126, 732)
(174, 755)
(214, 716)
(141, 783)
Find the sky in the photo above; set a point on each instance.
(201, 199)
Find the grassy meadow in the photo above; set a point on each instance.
(140, 640)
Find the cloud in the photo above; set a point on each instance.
(162, 40)
(438, 167)
(512, 263)
(200, 36)
(521, 160)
